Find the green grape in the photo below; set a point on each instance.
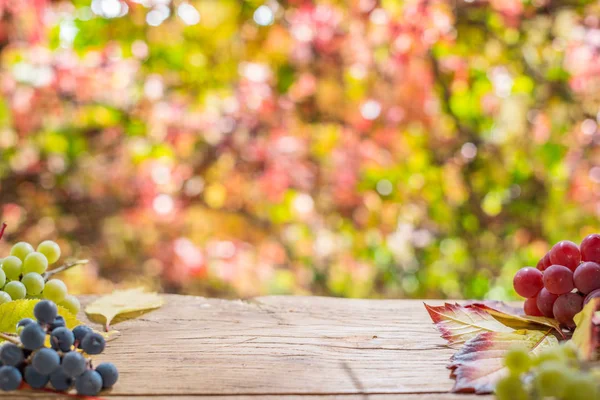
(550, 378)
(12, 267)
(511, 388)
(4, 297)
(581, 387)
(568, 351)
(517, 360)
(55, 290)
(35, 262)
(2, 278)
(15, 289)
(71, 304)
(21, 250)
(34, 283)
(549, 355)
(50, 249)
(568, 355)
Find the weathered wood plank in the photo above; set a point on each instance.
(435, 396)
(297, 347)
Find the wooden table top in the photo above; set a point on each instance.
(277, 347)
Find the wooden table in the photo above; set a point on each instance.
(291, 348)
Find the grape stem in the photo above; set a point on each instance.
(2, 229)
(9, 338)
(69, 265)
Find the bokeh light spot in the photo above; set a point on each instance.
(384, 187)
(188, 14)
(370, 109)
(468, 150)
(263, 16)
(588, 127)
(163, 204)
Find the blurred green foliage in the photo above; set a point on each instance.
(365, 148)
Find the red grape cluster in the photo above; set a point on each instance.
(565, 279)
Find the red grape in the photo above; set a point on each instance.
(587, 277)
(558, 279)
(591, 295)
(545, 301)
(531, 308)
(565, 253)
(540, 264)
(528, 282)
(590, 248)
(547, 261)
(544, 262)
(565, 308)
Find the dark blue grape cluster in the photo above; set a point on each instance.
(63, 364)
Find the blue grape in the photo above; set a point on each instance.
(60, 380)
(11, 354)
(45, 311)
(109, 374)
(33, 336)
(62, 339)
(34, 378)
(89, 384)
(80, 332)
(58, 322)
(10, 378)
(93, 343)
(45, 361)
(74, 364)
(24, 322)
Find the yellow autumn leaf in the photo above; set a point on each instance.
(14, 311)
(516, 318)
(585, 337)
(458, 324)
(121, 302)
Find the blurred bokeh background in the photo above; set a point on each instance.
(368, 148)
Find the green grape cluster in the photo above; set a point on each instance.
(23, 275)
(554, 373)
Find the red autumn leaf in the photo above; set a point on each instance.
(497, 305)
(478, 365)
(457, 324)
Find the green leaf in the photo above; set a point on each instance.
(14, 311)
(479, 364)
(458, 324)
(125, 303)
(586, 335)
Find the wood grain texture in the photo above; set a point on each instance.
(278, 347)
(435, 396)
